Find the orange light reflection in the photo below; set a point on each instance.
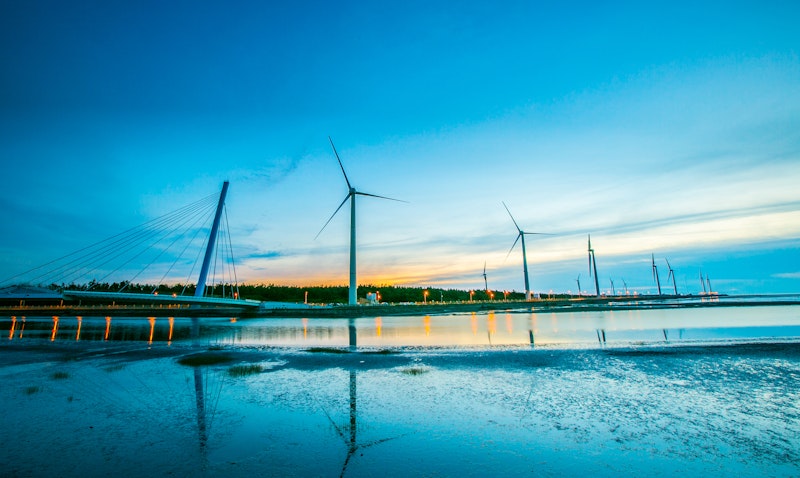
(55, 328)
(13, 326)
(171, 326)
(78, 333)
(108, 328)
(427, 323)
(378, 326)
(152, 321)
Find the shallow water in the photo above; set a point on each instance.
(414, 396)
(655, 411)
(562, 329)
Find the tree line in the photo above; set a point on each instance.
(312, 294)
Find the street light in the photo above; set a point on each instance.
(470, 295)
(425, 296)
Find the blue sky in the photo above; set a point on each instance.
(666, 128)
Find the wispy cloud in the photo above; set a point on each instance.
(787, 275)
(264, 255)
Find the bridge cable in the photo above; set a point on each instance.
(180, 256)
(130, 243)
(163, 234)
(96, 244)
(88, 255)
(181, 235)
(230, 246)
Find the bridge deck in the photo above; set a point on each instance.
(160, 298)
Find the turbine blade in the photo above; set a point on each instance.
(340, 163)
(514, 245)
(512, 218)
(331, 218)
(381, 197)
(538, 233)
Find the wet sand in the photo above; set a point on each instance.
(100, 408)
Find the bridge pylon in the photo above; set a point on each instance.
(212, 238)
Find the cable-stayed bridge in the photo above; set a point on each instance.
(190, 246)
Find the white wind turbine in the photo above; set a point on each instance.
(521, 235)
(351, 195)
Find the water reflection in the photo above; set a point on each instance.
(55, 329)
(474, 329)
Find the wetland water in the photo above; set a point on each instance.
(484, 329)
(671, 392)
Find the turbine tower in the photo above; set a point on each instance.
(485, 282)
(351, 195)
(578, 279)
(702, 284)
(593, 267)
(655, 272)
(613, 291)
(671, 275)
(521, 235)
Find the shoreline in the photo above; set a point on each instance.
(291, 310)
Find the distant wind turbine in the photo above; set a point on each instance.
(655, 272)
(578, 279)
(613, 291)
(351, 195)
(485, 282)
(521, 235)
(709, 284)
(703, 284)
(672, 275)
(593, 267)
(625, 284)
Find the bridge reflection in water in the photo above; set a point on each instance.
(459, 330)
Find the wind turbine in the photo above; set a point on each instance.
(613, 291)
(578, 279)
(351, 195)
(655, 272)
(703, 284)
(672, 275)
(485, 282)
(593, 266)
(709, 284)
(521, 235)
(625, 284)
